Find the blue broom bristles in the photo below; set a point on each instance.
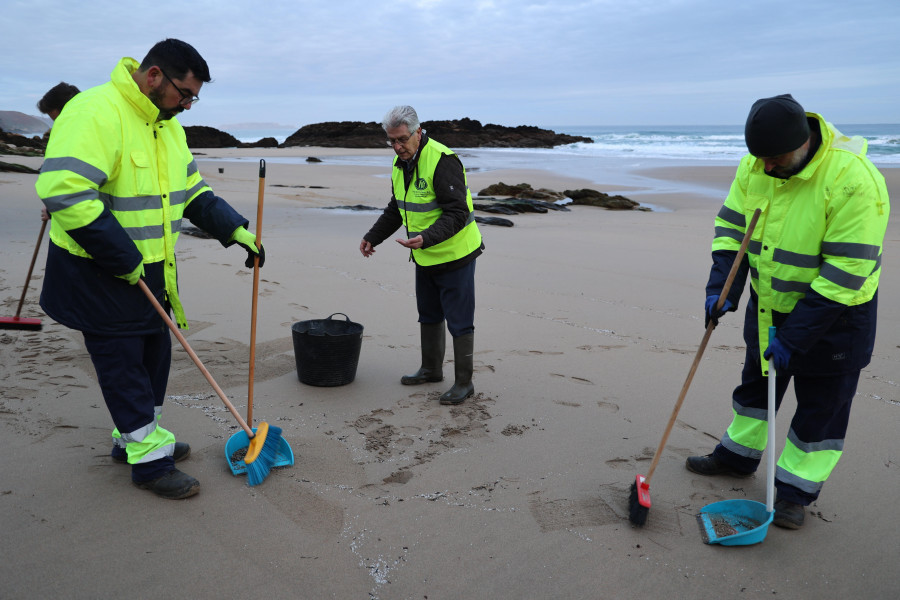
(259, 469)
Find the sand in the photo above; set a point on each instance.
(587, 323)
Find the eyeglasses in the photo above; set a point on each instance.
(400, 140)
(186, 99)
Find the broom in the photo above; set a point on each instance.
(261, 454)
(254, 300)
(639, 496)
(17, 322)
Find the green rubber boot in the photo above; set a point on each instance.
(434, 343)
(463, 359)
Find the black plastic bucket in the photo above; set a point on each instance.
(327, 350)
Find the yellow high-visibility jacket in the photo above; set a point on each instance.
(117, 184)
(821, 231)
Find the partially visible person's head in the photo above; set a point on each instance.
(174, 73)
(777, 132)
(56, 97)
(404, 132)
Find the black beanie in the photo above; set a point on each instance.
(776, 126)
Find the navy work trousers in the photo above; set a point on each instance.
(133, 372)
(821, 417)
(447, 295)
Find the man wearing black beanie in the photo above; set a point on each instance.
(814, 263)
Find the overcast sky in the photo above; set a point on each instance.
(510, 62)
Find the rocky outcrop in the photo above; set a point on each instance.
(461, 133)
(589, 197)
(13, 121)
(19, 145)
(528, 198)
(200, 136)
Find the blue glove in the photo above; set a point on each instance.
(711, 313)
(778, 351)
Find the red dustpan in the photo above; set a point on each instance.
(18, 322)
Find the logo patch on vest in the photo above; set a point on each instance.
(421, 184)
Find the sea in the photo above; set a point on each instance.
(619, 154)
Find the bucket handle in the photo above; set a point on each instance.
(345, 316)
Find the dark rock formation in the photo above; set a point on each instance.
(513, 206)
(13, 143)
(313, 159)
(16, 168)
(266, 142)
(494, 221)
(200, 136)
(461, 133)
(588, 197)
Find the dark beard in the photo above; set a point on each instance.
(164, 114)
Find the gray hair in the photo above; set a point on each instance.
(401, 115)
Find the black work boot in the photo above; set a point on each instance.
(174, 485)
(710, 465)
(434, 343)
(181, 452)
(789, 515)
(463, 359)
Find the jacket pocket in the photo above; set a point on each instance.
(143, 174)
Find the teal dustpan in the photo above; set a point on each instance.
(745, 522)
(284, 456)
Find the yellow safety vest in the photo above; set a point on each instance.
(419, 208)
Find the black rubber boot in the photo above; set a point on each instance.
(174, 485)
(710, 465)
(463, 359)
(789, 515)
(434, 343)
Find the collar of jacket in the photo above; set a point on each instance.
(125, 84)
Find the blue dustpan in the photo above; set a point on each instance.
(284, 456)
(745, 522)
(734, 522)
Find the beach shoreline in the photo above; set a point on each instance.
(587, 321)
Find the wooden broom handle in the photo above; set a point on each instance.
(709, 328)
(194, 357)
(259, 213)
(37, 248)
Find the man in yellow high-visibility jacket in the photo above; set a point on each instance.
(431, 198)
(814, 262)
(118, 178)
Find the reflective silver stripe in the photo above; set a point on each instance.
(77, 166)
(177, 197)
(470, 219)
(416, 207)
(176, 226)
(192, 168)
(754, 247)
(732, 216)
(877, 264)
(147, 232)
(754, 273)
(728, 232)
(138, 435)
(810, 447)
(740, 450)
(131, 204)
(806, 485)
(167, 450)
(795, 259)
(55, 203)
(851, 250)
(193, 191)
(841, 277)
(782, 285)
(760, 414)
